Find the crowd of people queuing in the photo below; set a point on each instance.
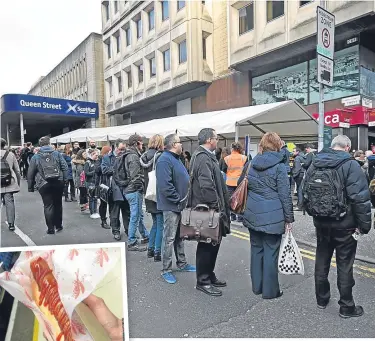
(118, 177)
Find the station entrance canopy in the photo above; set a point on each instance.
(289, 119)
(43, 115)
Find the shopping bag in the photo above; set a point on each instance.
(151, 187)
(290, 260)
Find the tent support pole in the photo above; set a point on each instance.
(237, 134)
(256, 127)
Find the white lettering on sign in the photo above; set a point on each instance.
(351, 41)
(349, 101)
(30, 104)
(325, 33)
(331, 119)
(51, 106)
(367, 103)
(44, 105)
(325, 70)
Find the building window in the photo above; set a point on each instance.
(152, 67)
(164, 10)
(180, 5)
(109, 54)
(204, 48)
(119, 83)
(182, 52)
(151, 20)
(128, 36)
(139, 28)
(275, 9)
(140, 74)
(246, 18)
(167, 60)
(303, 3)
(129, 76)
(118, 43)
(116, 6)
(106, 9)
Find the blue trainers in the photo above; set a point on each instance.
(188, 268)
(169, 277)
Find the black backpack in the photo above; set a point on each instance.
(49, 166)
(120, 175)
(6, 173)
(324, 193)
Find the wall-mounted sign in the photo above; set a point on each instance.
(325, 70)
(48, 105)
(349, 101)
(325, 33)
(367, 102)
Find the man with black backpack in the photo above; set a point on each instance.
(128, 175)
(50, 172)
(10, 182)
(336, 195)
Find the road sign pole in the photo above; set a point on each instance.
(321, 118)
(22, 130)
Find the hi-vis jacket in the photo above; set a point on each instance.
(235, 163)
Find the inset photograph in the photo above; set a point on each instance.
(64, 293)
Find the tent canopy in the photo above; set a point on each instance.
(289, 119)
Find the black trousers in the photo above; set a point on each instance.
(205, 262)
(51, 194)
(103, 208)
(345, 245)
(72, 189)
(114, 213)
(83, 200)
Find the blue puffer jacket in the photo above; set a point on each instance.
(68, 161)
(269, 201)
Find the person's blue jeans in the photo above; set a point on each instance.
(156, 232)
(136, 217)
(93, 204)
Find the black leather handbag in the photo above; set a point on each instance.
(104, 193)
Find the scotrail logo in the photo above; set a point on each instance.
(79, 110)
(72, 108)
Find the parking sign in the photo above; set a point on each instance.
(325, 33)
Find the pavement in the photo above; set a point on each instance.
(161, 310)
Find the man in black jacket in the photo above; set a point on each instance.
(339, 235)
(298, 173)
(309, 156)
(209, 188)
(134, 192)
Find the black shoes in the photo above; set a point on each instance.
(219, 284)
(157, 257)
(150, 253)
(357, 311)
(11, 227)
(59, 229)
(49, 231)
(73, 199)
(322, 305)
(209, 290)
(105, 225)
(144, 240)
(277, 296)
(117, 236)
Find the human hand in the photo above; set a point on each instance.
(288, 227)
(111, 324)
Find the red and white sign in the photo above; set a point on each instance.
(342, 118)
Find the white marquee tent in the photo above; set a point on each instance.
(289, 119)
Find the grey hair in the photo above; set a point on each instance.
(169, 141)
(44, 141)
(341, 141)
(119, 141)
(205, 134)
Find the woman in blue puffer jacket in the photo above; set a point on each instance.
(268, 210)
(67, 155)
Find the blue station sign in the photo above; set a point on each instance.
(48, 105)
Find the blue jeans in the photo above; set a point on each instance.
(136, 217)
(156, 232)
(93, 204)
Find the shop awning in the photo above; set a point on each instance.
(289, 119)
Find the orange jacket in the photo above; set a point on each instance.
(235, 163)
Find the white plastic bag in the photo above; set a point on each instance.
(151, 187)
(290, 259)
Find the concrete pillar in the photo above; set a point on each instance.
(22, 130)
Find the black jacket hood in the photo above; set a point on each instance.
(330, 158)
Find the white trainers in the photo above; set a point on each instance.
(95, 216)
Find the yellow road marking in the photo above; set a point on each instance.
(36, 330)
(311, 255)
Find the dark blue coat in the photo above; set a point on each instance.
(269, 201)
(107, 165)
(172, 181)
(68, 161)
(286, 158)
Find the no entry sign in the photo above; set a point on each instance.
(325, 33)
